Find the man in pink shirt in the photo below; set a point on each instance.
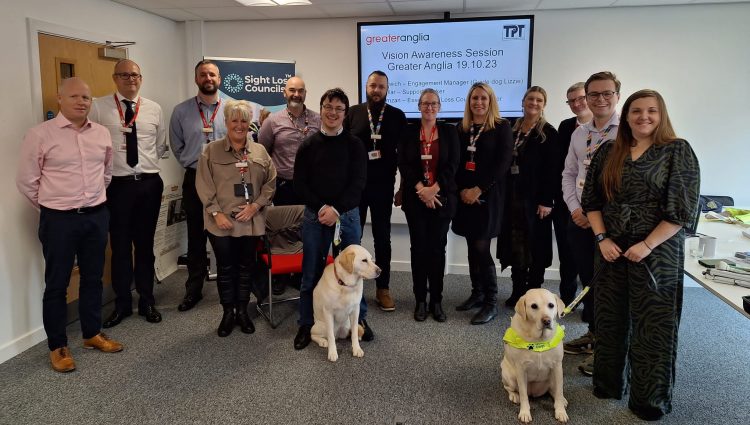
(64, 170)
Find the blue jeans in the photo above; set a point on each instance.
(316, 241)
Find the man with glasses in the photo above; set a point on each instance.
(282, 134)
(330, 172)
(602, 91)
(379, 126)
(139, 138)
(196, 122)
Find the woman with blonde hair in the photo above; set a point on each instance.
(486, 146)
(640, 194)
(525, 242)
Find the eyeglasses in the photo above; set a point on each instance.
(127, 75)
(293, 91)
(605, 94)
(578, 99)
(428, 105)
(329, 108)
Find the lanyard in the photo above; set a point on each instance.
(520, 140)
(473, 140)
(589, 150)
(426, 147)
(243, 170)
(375, 130)
(304, 130)
(122, 116)
(210, 123)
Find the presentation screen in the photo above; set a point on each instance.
(449, 56)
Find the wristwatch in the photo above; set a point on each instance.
(214, 214)
(600, 237)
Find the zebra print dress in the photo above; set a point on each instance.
(637, 317)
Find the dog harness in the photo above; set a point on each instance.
(512, 338)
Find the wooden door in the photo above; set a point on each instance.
(60, 58)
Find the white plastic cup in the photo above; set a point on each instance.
(708, 244)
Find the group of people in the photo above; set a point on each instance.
(619, 190)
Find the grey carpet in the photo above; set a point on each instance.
(179, 371)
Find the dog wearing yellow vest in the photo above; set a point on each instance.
(532, 363)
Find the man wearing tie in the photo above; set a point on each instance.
(138, 134)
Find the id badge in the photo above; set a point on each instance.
(580, 183)
(208, 130)
(122, 147)
(514, 169)
(425, 157)
(471, 165)
(586, 162)
(471, 148)
(376, 136)
(241, 164)
(373, 155)
(239, 190)
(126, 130)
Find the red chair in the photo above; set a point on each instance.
(278, 264)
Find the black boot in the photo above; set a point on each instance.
(486, 314)
(243, 319)
(476, 299)
(519, 289)
(437, 312)
(420, 313)
(227, 321)
(489, 286)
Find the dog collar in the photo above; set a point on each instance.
(512, 338)
(335, 273)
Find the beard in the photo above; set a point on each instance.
(208, 91)
(374, 102)
(295, 101)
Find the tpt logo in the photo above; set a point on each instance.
(514, 32)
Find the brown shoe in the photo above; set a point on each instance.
(103, 343)
(61, 360)
(384, 300)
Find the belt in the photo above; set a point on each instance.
(82, 210)
(135, 177)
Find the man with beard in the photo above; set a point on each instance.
(196, 122)
(379, 126)
(282, 134)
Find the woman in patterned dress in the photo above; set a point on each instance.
(641, 191)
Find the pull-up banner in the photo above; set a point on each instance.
(260, 81)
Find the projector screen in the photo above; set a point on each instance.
(449, 56)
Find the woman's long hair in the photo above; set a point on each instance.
(664, 134)
(493, 110)
(541, 122)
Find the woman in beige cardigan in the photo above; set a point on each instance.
(236, 180)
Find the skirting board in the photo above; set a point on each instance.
(22, 343)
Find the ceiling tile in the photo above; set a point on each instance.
(187, 4)
(177, 15)
(354, 10)
(291, 12)
(573, 4)
(228, 13)
(437, 6)
(646, 2)
(147, 4)
(499, 6)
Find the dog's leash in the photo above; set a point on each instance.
(577, 300)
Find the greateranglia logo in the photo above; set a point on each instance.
(396, 38)
(514, 32)
(233, 83)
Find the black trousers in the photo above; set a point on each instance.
(379, 200)
(133, 209)
(428, 233)
(285, 194)
(235, 259)
(568, 272)
(582, 246)
(196, 255)
(67, 236)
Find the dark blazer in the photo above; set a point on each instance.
(536, 185)
(410, 166)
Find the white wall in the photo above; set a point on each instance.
(696, 56)
(160, 50)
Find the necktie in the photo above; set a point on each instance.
(131, 139)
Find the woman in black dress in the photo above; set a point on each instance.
(525, 242)
(640, 194)
(486, 148)
(427, 160)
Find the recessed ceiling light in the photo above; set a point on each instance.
(274, 2)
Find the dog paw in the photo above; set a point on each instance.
(333, 355)
(323, 342)
(561, 415)
(524, 416)
(514, 398)
(358, 352)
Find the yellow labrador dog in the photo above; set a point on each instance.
(532, 364)
(336, 299)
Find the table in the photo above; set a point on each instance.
(730, 240)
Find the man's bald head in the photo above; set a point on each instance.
(74, 98)
(295, 93)
(127, 77)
